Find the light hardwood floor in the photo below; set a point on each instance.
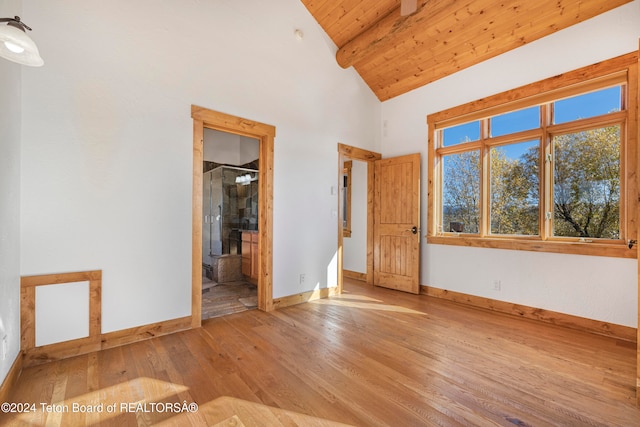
(226, 298)
(369, 357)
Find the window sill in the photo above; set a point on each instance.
(618, 250)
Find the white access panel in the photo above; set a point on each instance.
(57, 322)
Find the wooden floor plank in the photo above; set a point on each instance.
(369, 357)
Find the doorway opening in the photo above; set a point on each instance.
(232, 207)
(392, 216)
(364, 161)
(230, 203)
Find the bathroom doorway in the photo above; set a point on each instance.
(230, 203)
(244, 171)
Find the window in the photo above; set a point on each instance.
(461, 191)
(550, 171)
(586, 183)
(514, 189)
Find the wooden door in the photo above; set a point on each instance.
(397, 223)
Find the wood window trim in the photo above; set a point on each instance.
(622, 69)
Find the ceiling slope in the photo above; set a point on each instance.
(395, 54)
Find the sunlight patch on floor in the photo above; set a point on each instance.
(347, 295)
(358, 301)
(102, 404)
(230, 411)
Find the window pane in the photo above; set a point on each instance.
(515, 199)
(461, 192)
(462, 133)
(588, 105)
(515, 121)
(586, 190)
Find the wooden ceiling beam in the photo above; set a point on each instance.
(439, 55)
(467, 35)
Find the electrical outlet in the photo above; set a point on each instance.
(497, 285)
(302, 279)
(5, 347)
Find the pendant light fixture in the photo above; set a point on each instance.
(16, 45)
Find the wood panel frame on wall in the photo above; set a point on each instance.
(210, 119)
(346, 153)
(93, 342)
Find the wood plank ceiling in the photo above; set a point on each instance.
(395, 54)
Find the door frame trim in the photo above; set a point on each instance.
(346, 152)
(210, 119)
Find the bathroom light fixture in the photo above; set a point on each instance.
(16, 45)
(245, 179)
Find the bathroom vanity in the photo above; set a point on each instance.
(250, 256)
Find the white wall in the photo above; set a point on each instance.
(107, 141)
(229, 148)
(355, 247)
(593, 287)
(10, 118)
(249, 150)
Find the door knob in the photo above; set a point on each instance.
(413, 229)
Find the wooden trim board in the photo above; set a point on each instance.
(637, 237)
(196, 224)
(354, 275)
(71, 348)
(304, 297)
(11, 379)
(620, 332)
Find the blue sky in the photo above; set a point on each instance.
(566, 110)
